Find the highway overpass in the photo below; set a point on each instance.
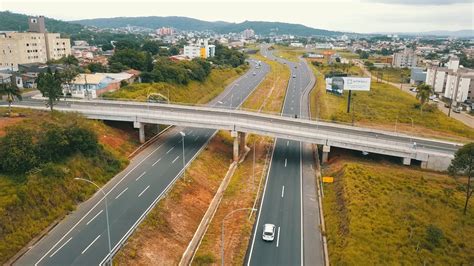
(433, 154)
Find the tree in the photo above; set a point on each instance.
(96, 67)
(67, 75)
(17, 150)
(423, 93)
(49, 84)
(463, 164)
(364, 55)
(12, 91)
(107, 47)
(129, 58)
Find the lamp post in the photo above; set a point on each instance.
(184, 160)
(106, 214)
(222, 236)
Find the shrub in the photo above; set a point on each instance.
(17, 151)
(205, 259)
(434, 235)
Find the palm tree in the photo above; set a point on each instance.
(423, 93)
(11, 90)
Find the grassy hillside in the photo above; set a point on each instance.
(384, 107)
(30, 202)
(386, 214)
(193, 93)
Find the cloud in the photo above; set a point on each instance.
(422, 2)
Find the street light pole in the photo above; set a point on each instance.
(106, 214)
(222, 236)
(184, 160)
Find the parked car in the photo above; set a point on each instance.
(457, 110)
(294, 76)
(268, 232)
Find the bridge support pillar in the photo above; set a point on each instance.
(326, 150)
(141, 130)
(235, 154)
(406, 161)
(239, 144)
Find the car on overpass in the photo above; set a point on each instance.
(268, 232)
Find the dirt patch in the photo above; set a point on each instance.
(8, 121)
(164, 235)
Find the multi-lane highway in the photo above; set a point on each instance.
(283, 199)
(82, 239)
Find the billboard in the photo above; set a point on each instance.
(356, 84)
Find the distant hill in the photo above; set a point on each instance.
(18, 22)
(184, 23)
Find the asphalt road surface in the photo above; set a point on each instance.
(282, 203)
(81, 238)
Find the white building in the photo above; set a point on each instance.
(296, 44)
(451, 82)
(35, 46)
(407, 58)
(200, 49)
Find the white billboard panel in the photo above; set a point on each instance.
(356, 84)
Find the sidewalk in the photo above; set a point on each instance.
(462, 117)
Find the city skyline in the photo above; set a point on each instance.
(352, 16)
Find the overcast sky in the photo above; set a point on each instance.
(342, 15)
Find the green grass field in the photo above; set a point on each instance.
(288, 53)
(193, 93)
(384, 107)
(387, 214)
(391, 74)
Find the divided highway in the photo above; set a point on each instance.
(282, 200)
(81, 238)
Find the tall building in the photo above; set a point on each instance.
(165, 31)
(451, 81)
(34, 46)
(200, 49)
(248, 34)
(407, 58)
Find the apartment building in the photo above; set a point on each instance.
(34, 46)
(451, 81)
(200, 49)
(407, 58)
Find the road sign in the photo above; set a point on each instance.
(328, 179)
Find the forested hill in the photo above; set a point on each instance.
(185, 23)
(19, 22)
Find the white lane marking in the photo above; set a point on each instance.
(175, 160)
(261, 202)
(287, 142)
(120, 194)
(84, 251)
(97, 203)
(301, 206)
(94, 217)
(170, 150)
(141, 193)
(60, 247)
(286, 160)
(196, 138)
(282, 191)
(278, 236)
(190, 132)
(140, 176)
(157, 161)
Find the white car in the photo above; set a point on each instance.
(268, 232)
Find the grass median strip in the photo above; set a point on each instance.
(269, 95)
(247, 182)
